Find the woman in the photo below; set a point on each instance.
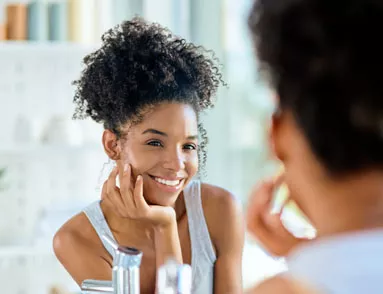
(324, 61)
(148, 88)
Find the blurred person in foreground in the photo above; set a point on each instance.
(324, 60)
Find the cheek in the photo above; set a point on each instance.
(192, 164)
(295, 179)
(139, 160)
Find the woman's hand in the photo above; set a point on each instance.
(128, 201)
(267, 227)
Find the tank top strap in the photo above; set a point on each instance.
(96, 218)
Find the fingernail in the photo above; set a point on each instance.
(126, 167)
(138, 178)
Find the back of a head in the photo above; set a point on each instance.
(325, 58)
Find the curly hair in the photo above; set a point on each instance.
(324, 58)
(140, 65)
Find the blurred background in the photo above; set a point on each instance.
(51, 166)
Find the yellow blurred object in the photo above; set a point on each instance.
(82, 21)
(16, 15)
(3, 31)
(74, 22)
(58, 290)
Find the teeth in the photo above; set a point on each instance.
(166, 182)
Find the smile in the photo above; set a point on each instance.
(168, 185)
(167, 182)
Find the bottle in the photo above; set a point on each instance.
(125, 272)
(174, 278)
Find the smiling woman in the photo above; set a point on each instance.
(163, 149)
(148, 88)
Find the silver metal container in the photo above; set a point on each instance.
(174, 278)
(125, 273)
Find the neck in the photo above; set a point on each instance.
(347, 205)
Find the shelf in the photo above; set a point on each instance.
(47, 149)
(38, 46)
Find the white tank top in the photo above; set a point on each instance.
(203, 255)
(345, 264)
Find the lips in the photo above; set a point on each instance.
(170, 185)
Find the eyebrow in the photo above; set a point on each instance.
(157, 132)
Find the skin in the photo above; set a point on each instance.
(144, 215)
(334, 205)
(280, 284)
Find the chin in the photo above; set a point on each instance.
(161, 194)
(155, 196)
(161, 200)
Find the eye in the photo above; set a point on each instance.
(190, 147)
(155, 143)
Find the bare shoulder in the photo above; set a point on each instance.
(281, 285)
(213, 195)
(77, 231)
(223, 213)
(217, 201)
(75, 243)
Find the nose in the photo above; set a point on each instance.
(174, 160)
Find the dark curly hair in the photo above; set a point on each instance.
(325, 58)
(140, 65)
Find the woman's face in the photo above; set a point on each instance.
(163, 149)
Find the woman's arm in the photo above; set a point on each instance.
(81, 259)
(167, 244)
(226, 226)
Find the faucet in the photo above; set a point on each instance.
(125, 272)
(172, 277)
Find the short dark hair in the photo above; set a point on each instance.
(142, 64)
(325, 60)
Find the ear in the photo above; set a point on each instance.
(276, 134)
(111, 145)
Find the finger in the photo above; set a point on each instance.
(257, 206)
(111, 182)
(272, 223)
(275, 226)
(104, 192)
(272, 220)
(108, 200)
(278, 180)
(266, 228)
(139, 199)
(113, 192)
(270, 228)
(261, 231)
(126, 187)
(260, 205)
(125, 177)
(263, 192)
(260, 199)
